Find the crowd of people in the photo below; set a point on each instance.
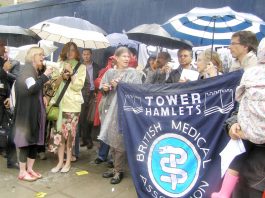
(86, 101)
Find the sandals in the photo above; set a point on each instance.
(65, 169)
(57, 169)
(35, 174)
(27, 177)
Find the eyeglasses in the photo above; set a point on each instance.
(234, 43)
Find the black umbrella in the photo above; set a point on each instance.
(154, 34)
(17, 36)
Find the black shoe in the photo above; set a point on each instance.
(108, 174)
(98, 161)
(89, 145)
(116, 178)
(13, 165)
(110, 164)
(83, 144)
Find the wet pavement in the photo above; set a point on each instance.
(65, 185)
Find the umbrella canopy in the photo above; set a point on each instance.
(204, 26)
(20, 53)
(65, 29)
(118, 39)
(17, 36)
(154, 34)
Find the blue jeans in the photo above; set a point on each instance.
(103, 151)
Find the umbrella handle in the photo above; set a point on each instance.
(214, 21)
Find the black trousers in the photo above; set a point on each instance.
(6, 122)
(244, 191)
(11, 148)
(27, 152)
(42, 148)
(85, 126)
(239, 160)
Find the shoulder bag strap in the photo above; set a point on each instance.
(66, 85)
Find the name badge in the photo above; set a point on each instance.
(2, 86)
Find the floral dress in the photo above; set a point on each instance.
(69, 110)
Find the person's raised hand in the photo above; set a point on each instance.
(114, 83)
(106, 87)
(7, 66)
(7, 103)
(211, 69)
(164, 69)
(68, 68)
(48, 71)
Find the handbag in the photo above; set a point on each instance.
(53, 110)
(51, 86)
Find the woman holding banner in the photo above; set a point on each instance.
(108, 109)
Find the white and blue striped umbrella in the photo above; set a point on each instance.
(204, 26)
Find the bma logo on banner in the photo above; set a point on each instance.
(173, 159)
(173, 165)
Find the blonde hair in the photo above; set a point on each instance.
(213, 56)
(31, 53)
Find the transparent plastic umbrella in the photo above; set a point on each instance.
(65, 29)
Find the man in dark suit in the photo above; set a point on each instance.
(86, 124)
